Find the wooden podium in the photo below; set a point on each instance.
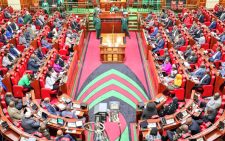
(112, 48)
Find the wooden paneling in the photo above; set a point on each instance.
(222, 2)
(3, 3)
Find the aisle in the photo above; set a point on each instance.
(108, 82)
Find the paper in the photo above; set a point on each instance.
(79, 123)
(71, 131)
(150, 125)
(61, 106)
(170, 121)
(54, 121)
(71, 124)
(75, 105)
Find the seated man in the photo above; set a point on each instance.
(149, 111)
(170, 109)
(213, 24)
(193, 126)
(61, 137)
(39, 22)
(45, 43)
(205, 80)
(29, 124)
(6, 62)
(149, 16)
(201, 40)
(168, 23)
(180, 42)
(159, 45)
(44, 131)
(197, 33)
(51, 109)
(68, 113)
(39, 53)
(14, 113)
(201, 17)
(188, 51)
(14, 26)
(175, 135)
(216, 56)
(193, 28)
(18, 102)
(14, 51)
(20, 20)
(23, 41)
(199, 72)
(222, 17)
(25, 81)
(3, 38)
(114, 8)
(155, 32)
(192, 59)
(222, 37)
(7, 14)
(50, 81)
(209, 115)
(8, 34)
(213, 103)
(33, 64)
(27, 18)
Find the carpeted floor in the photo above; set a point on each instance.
(125, 83)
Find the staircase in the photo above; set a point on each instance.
(132, 24)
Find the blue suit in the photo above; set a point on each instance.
(10, 29)
(222, 38)
(216, 56)
(212, 25)
(66, 137)
(199, 72)
(153, 34)
(51, 109)
(8, 34)
(159, 45)
(20, 20)
(201, 18)
(194, 127)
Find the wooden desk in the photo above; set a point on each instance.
(112, 48)
(111, 22)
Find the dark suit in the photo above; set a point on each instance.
(210, 117)
(216, 56)
(7, 15)
(169, 23)
(197, 33)
(212, 25)
(30, 125)
(50, 34)
(13, 51)
(32, 65)
(40, 55)
(3, 39)
(192, 59)
(194, 127)
(201, 18)
(205, 80)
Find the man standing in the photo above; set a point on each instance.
(45, 6)
(97, 10)
(97, 25)
(125, 26)
(114, 8)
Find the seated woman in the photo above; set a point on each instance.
(57, 67)
(149, 111)
(170, 109)
(166, 67)
(50, 82)
(176, 83)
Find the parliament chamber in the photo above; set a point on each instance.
(112, 70)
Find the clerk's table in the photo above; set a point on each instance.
(112, 47)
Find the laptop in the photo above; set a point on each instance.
(34, 107)
(60, 121)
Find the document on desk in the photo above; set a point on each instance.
(53, 120)
(79, 123)
(184, 113)
(71, 124)
(75, 105)
(61, 106)
(170, 121)
(150, 125)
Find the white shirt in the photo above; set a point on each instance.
(201, 40)
(49, 82)
(6, 61)
(214, 104)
